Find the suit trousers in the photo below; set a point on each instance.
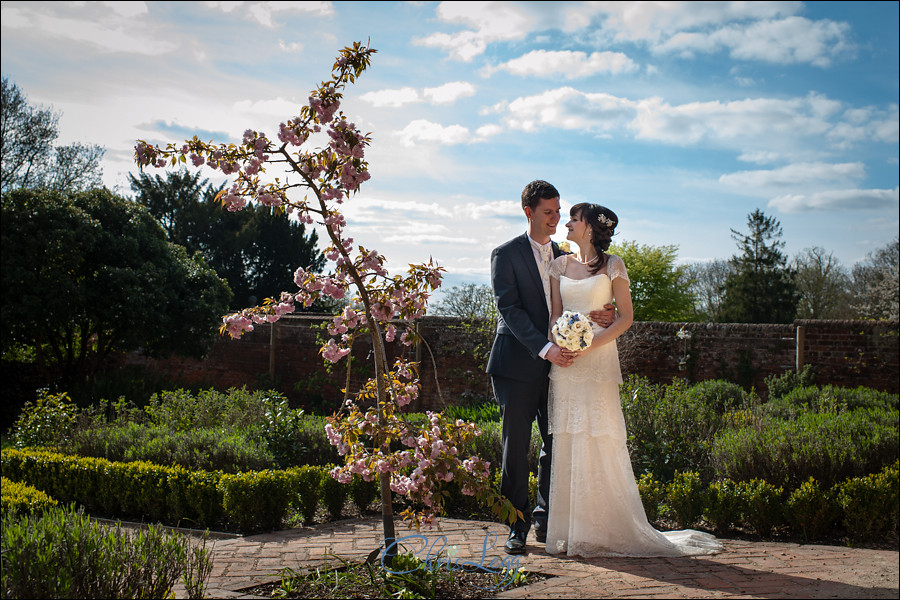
(521, 402)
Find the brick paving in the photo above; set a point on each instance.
(744, 570)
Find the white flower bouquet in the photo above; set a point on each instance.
(573, 331)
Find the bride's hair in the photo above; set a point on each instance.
(602, 222)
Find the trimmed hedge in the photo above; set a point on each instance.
(23, 498)
(245, 502)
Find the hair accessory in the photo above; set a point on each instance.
(604, 220)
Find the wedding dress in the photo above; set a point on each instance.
(595, 507)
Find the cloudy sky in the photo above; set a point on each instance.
(683, 117)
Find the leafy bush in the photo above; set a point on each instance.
(870, 504)
(478, 413)
(721, 396)
(62, 554)
(781, 385)
(725, 504)
(308, 480)
(828, 447)
(48, 421)
(200, 449)
(23, 498)
(363, 493)
(811, 510)
(685, 496)
(652, 493)
(829, 399)
(764, 506)
(183, 410)
(258, 501)
(670, 427)
(334, 495)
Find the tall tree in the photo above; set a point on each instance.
(29, 157)
(660, 289)
(823, 285)
(86, 275)
(708, 287)
(762, 288)
(875, 284)
(255, 250)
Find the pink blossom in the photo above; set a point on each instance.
(333, 353)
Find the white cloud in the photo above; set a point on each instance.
(783, 41)
(113, 31)
(573, 65)
(264, 12)
(391, 98)
(491, 21)
(443, 94)
(422, 130)
(449, 92)
(837, 200)
(760, 128)
(795, 174)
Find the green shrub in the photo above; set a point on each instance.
(200, 449)
(780, 385)
(653, 494)
(23, 498)
(829, 399)
(63, 554)
(721, 396)
(685, 496)
(48, 421)
(308, 490)
(670, 427)
(363, 493)
(870, 504)
(725, 504)
(334, 494)
(311, 443)
(258, 501)
(828, 447)
(764, 506)
(183, 410)
(479, 413)
(811, 510)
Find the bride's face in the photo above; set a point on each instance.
(578, 230)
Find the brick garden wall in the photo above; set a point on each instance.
(846, 353)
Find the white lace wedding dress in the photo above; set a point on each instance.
(595, 507)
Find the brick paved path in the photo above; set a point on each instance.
(744, 570)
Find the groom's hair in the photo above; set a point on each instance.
(536, 191)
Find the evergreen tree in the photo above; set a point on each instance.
(761, 289)
(255, 250)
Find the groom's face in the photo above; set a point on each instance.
(544, 218)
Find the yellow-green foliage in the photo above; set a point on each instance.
(23, 498)
(870, 503)
(243, 501)
(811, 510)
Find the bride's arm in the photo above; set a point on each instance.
(622, 294)
(555, 306)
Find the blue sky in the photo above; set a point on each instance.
(683, 117)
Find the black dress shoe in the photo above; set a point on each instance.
(516, 543)
(540, 535)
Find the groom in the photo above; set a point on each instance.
(520, 358)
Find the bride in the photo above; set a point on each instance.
(595, 507)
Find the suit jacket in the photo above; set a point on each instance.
(524, 320)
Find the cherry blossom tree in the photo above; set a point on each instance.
(318, 179)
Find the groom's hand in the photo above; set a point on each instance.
(605, 317)
(560, 356)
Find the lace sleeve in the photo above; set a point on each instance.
(615, 267)
(558, 267)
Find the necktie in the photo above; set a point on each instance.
(545, 252)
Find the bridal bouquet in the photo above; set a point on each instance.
(573, 331)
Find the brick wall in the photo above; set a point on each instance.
(846, 353)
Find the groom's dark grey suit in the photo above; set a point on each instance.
(519, 375)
